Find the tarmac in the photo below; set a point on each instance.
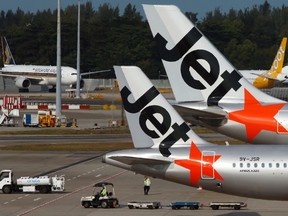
(83, 169)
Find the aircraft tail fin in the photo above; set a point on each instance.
(278, 62)
(197, 71)
(6, 53)
(153, 122)
(271, 75)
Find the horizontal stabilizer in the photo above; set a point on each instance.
(133, 160)
(212, 116)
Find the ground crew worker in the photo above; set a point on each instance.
(103, 191)
(147, 184)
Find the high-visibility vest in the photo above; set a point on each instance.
(147, 182)
(103, 192)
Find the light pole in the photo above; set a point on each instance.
(78, 54)
(58, 79)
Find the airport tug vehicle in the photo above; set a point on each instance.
(42, 184)
(109, 200)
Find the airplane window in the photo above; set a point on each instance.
(270, 165)
(248, 165)
(241, 165)
(255, 165)
(285, 165)
(263, 165)
(277, 165)
(234, 165)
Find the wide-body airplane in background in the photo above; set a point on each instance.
(277, 74)
(208, 90)
(167, 148)
(27, 75)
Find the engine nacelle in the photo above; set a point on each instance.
(22, 82)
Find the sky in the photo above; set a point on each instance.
(196, 6)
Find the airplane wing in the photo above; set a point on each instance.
(38, 78)
(34, 79)
(94, 72)
(133, 160)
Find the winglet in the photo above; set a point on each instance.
(268, 78)
(153, 122)
(6, 53)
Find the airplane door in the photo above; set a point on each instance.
(282, 122)
(207, 169)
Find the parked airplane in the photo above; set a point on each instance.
(264, 79)
(27, 75)
(209, 91)
(166, 148)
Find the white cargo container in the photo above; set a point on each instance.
(31, 120)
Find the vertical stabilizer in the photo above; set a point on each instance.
(197, 71)
(153, 122)
(269, 78)
(6, 53)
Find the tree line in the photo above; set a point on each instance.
(249, 38)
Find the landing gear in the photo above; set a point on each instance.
(23, 90)
(53, 89)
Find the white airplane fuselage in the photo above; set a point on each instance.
(45, 75)
(239, 170)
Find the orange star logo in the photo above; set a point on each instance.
(257, 117)
(199, 165)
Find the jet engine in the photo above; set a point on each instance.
(22, 82)
(82, 82)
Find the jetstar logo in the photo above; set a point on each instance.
(161, 125)
(199, 165)
(257, 117)
(208, 71)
